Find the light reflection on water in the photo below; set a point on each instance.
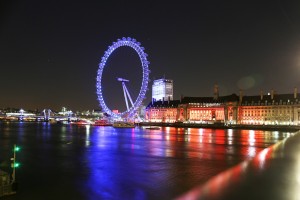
(135, 163)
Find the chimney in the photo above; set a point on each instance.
(261, 95)
(272, 94)
(169, 98)
(295, 92)
(216, 92)
(241, 96)
(163, 100)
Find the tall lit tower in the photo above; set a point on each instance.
(162, 89)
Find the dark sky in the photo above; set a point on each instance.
(50, 50)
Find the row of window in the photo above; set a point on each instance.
(219, 114)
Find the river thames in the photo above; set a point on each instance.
(93, 162)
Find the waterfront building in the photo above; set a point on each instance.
(162, 89)
(269, 109)
(222, 109)
(216, 109)
(97, 113)
(162, 111)
(65, 112)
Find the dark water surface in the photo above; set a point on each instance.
(87, 162)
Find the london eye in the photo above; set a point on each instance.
(132, 105)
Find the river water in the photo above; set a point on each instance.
(90, 162)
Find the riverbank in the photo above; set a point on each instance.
(291, 128)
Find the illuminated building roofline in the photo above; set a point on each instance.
(162, 80)
(169, 104)
(269, 99)
(221, 99)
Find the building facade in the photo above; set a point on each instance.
(208, 109)
(162, 89)
(162, 111)
(270, 109)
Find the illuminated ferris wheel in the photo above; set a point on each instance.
(132, 106)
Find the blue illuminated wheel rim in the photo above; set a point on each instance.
(129, 42)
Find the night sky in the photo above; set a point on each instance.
(50, 50)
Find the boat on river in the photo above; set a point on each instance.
(153, 128)
(123, 125)
(102, 122)
(81, 122)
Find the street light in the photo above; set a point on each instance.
(14, 163)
